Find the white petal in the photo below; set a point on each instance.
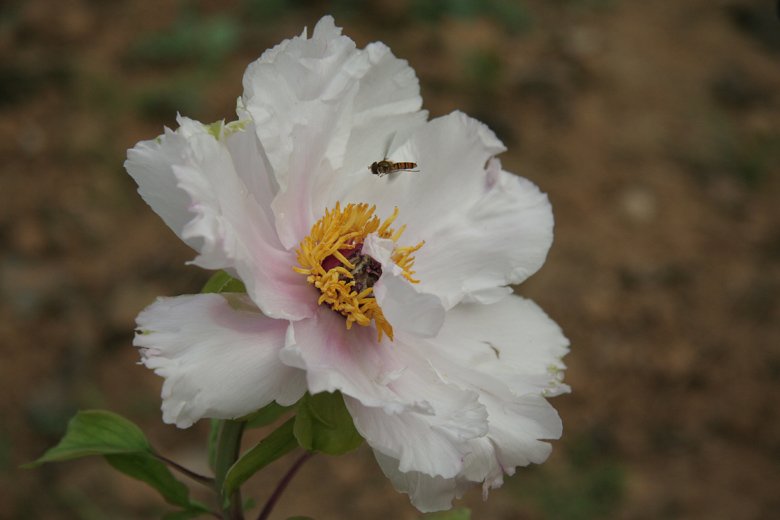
(510, 352)
(219, 356)
(451, 153)
(495, 235)
(327, 67)
(390, 87)
(487, 296)
(426, 493)
(512, 341)
(322, 109)
(350, 361)
(405, 308)
(516, 430)
(214, 190)
(290, 85)
(150, 163)
(236, 231)
(507, 353)
(510, 442)
(501, 237)
(386, 111)
(251, 164)
(483, 228)
(434, 444)
(433, 441)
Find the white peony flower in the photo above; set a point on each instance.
(392, 289)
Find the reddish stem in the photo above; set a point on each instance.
(274, 498)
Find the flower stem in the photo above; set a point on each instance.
(283, 485)
(227, 450)
(206, 481)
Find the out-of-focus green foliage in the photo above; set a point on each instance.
(162, 100)
(459, 513)
(264, 11)
(720, 147)
(190, 39)
(5, 453)
(752, 158)
(511, 14)
(595, 4)
(590, 485)
(483, 69)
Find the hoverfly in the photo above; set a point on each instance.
(384, 167)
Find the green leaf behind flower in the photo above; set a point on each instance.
(459, 513)
(279, 443)
(96, 432)
(324, 424)
(223, 282)
(266, 415)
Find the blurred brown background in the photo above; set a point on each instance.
(653, 125)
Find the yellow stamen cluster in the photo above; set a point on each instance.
(344, 230)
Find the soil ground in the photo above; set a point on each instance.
(653, 126)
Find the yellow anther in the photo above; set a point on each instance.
(331, 241)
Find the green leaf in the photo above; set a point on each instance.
(186, 514)
(459, 513)
(324, 424)
(223, 282)
(280, 442)
(96, 432)
(300, 518)
(155, 473)
(266, 415)
(249, 503)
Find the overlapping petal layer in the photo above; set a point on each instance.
(220, 182)
(205, 343)
(483, 227)
(508, 354)
(350, 361)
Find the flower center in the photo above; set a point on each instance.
(332, 257)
